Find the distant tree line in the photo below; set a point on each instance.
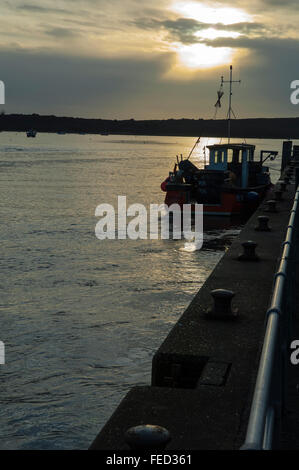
(280, 128)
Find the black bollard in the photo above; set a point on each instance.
(147, 437)
(222, 309)
(278, 195)
(249, 251)
(271, 206)
(282, 185)
(262, 224)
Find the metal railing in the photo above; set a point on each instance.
(269, 393)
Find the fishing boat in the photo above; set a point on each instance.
(231, 183)
(31, 133)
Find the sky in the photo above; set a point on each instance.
(154, 59)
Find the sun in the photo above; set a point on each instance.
(200, 55)
(196, 56)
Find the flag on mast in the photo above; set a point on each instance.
(220, 93)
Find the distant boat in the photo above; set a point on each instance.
(31, 133)
(104, 133)
(61, 132)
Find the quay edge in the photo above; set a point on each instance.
(204, 372)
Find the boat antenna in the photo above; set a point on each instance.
(230, 112)
(230, 109)
(220, 93)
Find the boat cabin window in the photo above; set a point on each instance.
(232, 156)
(236, 156)
(247, 155)
(219, 156)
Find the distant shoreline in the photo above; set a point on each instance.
(267, 128)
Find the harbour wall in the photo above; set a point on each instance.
(204, 372)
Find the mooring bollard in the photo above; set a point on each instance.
(286, 153)
(147, 436)
(249, 253)
(222, 309)
(271, 206)
(278, 195)
(262, 224)
(283, 185)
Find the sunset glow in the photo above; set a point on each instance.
(139, 59)
(207, 14)
(199, 55)
(211, 33)
(202, 56)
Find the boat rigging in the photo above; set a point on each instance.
(232, 182)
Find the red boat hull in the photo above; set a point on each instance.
(231, 202)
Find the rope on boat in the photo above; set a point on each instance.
(193, 148)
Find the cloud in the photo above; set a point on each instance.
(182, 29)
(49, 83)
(41, 9)
(282, 3)
(61, 32)
(254, 6)
(185, 29)
(110, 58)
(264, 45)
(45, 82)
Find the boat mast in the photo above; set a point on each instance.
(230, 110)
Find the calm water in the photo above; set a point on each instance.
(81, 318)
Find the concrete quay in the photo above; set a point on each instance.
(203, 374)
